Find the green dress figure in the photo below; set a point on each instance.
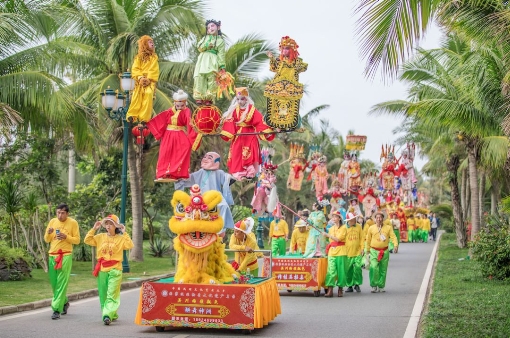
(210, 62)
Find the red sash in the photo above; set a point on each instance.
(334, 245)
(381, 253)
(102, 262)
(59, 258)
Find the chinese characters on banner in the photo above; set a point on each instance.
(198, 305)
(298, 274)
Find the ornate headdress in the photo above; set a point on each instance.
(290, 43)
(296, 151)
(242, 91)
(180, 96)
(270, 166)
(216, 22)
(144, 53)
(387, 152)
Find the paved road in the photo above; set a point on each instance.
(381, 315)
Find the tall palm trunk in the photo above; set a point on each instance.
(135, 180)
(473, 188)
(463, 197)
(483, 179)
(452, 165)
(495, 191)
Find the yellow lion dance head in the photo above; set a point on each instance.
(196, 222)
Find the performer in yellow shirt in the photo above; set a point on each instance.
(241, 240)
(337, 255)
(62, 232)
(299, 237)
(425, 228)
(109, 250)
(411, 228)
(278, 236)
(368, 223)
(354, 245)
(145, 72)
(378, 237)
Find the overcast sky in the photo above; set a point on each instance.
(324, 31)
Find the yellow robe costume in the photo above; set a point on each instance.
(140, 108)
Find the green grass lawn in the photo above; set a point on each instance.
(463, 303)
(38, 287)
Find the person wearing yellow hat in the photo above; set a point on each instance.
(62, 233)
(378, 237)
(354, 249)
(411, 228)
(337, 256)
(299, 237)
(241, 240)
(108, 270)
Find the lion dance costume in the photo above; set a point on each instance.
(196, 222)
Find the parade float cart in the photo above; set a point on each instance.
(294, 272)
(247, 306)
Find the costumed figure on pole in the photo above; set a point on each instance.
(265, 198)
(211, 177)
(145, 72)
(407, 175)
(354, 174)
(284, 92)
(336, 198)
(368, 195)
(210, 64)
(343, 172)
(297, 167)
(389, 169)
(177, 137)
(244, 157)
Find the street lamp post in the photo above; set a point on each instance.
(260, 231)
(117, 105)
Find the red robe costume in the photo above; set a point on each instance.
(178, 138)
(403, 224)
(244, 156)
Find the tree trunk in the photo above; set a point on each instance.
(473, 189)
(463, 181)
(483, 179)
(495, 192)
(136, 203)
(452, 165)
(72, 171)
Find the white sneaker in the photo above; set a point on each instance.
(374, 289)
(381, 290)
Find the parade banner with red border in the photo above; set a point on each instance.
(300, 274)
(198, 305)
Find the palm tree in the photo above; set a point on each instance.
(447, 93)
(104, 36)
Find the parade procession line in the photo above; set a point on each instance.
(423, 294)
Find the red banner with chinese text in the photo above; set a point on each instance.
(298, 274)
(198, 305)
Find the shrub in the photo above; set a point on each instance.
(492, 249)
(159, 247)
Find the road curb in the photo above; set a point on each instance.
(5, 310)
(423, 293)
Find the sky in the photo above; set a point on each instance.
(325, 33)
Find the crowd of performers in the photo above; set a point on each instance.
(335, 228)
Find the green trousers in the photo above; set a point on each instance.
(335, 274)
(59, 280)
(278, 246)
(397, 234)
(425, 236)
(108, 286)
(353, 271)
(204, 87)
(378, 269)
